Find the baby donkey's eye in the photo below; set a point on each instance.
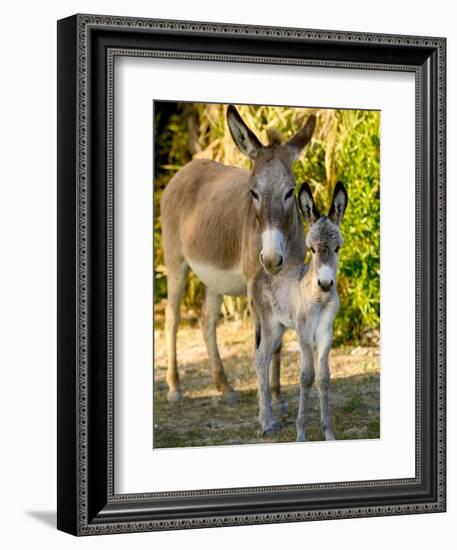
(288, 194)
(254, 195)
(337, 249)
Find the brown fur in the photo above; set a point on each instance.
(209, 217)
(203, 208)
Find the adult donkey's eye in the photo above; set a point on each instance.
(255, 196)
(288, 194)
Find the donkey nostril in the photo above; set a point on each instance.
(325, 285)
(261, 257)
(281, 259)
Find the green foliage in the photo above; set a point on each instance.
(357, 164)
(345, 146)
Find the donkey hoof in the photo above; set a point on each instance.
(230, 398)
(271, 429)
(174, 396)
(300, 438)
(329, 436)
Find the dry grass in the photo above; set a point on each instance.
(202, 418)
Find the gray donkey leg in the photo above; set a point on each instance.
(268, 338)
(306, 381)
(176, 284)
(324, 339)
(275, 382)
(210, 314)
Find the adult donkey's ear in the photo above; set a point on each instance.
(244, 138)
(339, 203)
(297, 143)
(307, 205)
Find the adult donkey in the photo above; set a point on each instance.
(226, 223)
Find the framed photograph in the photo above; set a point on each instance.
(251, 274)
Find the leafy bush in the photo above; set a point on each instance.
(345, 146)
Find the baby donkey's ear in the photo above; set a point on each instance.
(339, 203)
(307, 205)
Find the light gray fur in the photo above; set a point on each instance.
(299, 298)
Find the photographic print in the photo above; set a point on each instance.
(221, 267)
(266, 274)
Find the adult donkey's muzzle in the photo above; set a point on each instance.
(272, 264)
(272, 253)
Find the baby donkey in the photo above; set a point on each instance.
(302, 297)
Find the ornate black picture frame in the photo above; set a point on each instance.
(87, 46)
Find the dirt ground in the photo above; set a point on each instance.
(202, 418)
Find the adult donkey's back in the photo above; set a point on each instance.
(226, 223)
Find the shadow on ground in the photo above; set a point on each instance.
(48, 517)
(202, 418)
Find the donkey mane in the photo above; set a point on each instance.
(274, 136)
